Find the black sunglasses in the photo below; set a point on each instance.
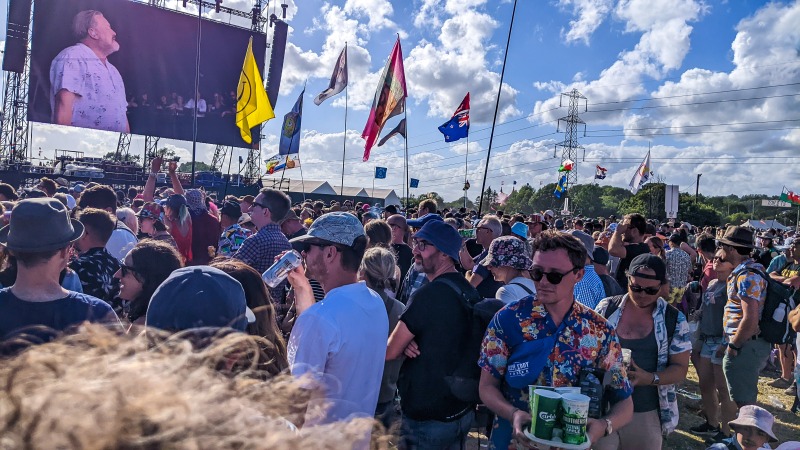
(126, 269)
(552, 277)
(646, 290)
(260, 204)
(307, 246)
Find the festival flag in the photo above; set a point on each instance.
(278, 162)
(466, 186)
(390, 98)
(642, 174)
(252, 104)
(567, 166)
(790, 197)
(458, 125)
(414, 183)
(380, 172)
(561, 188)
(600, 173)
(338, 79)
(290, 132)
(399, 129)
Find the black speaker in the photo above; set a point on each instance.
(281, 31)
(19, 18)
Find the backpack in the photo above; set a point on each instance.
(670, 316)
(463, 381)
(774, 324)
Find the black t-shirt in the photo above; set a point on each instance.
(42, 321)
(404, 259)
(631, 251)
(438, 321)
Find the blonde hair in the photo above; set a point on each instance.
(378, 268)
(98, 389)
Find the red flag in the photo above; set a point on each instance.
(389, 98)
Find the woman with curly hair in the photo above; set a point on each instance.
(144, 268)
(260, 303)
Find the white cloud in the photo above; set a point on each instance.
(591, 14)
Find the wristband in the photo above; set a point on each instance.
(730, 345)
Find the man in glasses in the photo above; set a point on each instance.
(627, 243)
(338, 341)
(658, 338)
(259, 250)
(487, 230)
(747, 291)
(546, 339)
(434, 328)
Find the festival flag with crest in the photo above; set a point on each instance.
(252, 107)
(414, 183)
(338, 79)
(561, 187)
(458, 125)
(600, 173)
(390, 98)
(380, 172)
(642, 175)
(290, 131)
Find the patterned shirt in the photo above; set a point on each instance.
(678, 265)
(101, 104)
(584, 340)
(681, 342)
(259, 252)
(590, 290)
(96, 269)
(231, 239)
(413, 281)
(743, 285)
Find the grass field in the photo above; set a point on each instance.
(787, 424)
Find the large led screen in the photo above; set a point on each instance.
(132, 68)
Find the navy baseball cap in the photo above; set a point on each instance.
(419, 223)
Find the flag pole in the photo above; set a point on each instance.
(302, 180)
(344, 139)
(406, 187)
(373, 183)
(228, 180)
(496, 107)
(466, 172)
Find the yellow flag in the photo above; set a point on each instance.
(252, 103)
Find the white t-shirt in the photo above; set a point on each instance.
(121, 242)
(341, 342)
(511, 291)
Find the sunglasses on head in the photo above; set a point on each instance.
(552, 277)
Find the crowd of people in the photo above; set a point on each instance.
(142, 318)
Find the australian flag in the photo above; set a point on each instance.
(458, 126)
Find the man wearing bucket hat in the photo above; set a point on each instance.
(547, 339)
(753, 429)
(508, 261)
(40, 236)
(337, 341)
(747, 291)
(434, 320)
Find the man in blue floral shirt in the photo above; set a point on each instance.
(547, 339)
(233, 234)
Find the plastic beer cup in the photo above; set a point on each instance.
(544, 412)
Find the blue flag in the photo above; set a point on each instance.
(290, 132)
(380, 172)
(458, 126)
(414, 183)
(561, 189)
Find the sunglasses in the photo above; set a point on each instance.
(720, 259)
(128, 269)
(646, 290)
(307, 246)
(552, 277)
(421, 245)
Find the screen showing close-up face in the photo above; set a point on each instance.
(123, 66)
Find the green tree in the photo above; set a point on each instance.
(697, 213)
(459, 203)
(519, 200)
(489, 199)
(199, 166)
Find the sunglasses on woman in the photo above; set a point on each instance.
(128, 269)
(552, 277)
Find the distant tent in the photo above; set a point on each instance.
(765, 224)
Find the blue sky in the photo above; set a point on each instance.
(692, 79)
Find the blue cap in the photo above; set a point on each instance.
(198, 297)
(520, 229)
(419, 223)
(443, 236)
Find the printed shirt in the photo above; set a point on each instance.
(743, 285)
(259, 252)
(681, 342)
(585, 340)
(232, 239)
(96, 269)
(590, 290)
(678, 265)
(102, 104)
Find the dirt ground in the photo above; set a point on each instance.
(787, 424)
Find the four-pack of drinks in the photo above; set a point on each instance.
(559, 416)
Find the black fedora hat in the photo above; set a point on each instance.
(40, 225)
(738, 237)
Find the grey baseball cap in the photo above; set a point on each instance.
(335, 227)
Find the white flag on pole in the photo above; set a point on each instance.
(338, 79)
(642, 174)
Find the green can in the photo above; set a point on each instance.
(545, 406)
(575, 416)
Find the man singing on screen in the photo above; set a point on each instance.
(86, 89)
